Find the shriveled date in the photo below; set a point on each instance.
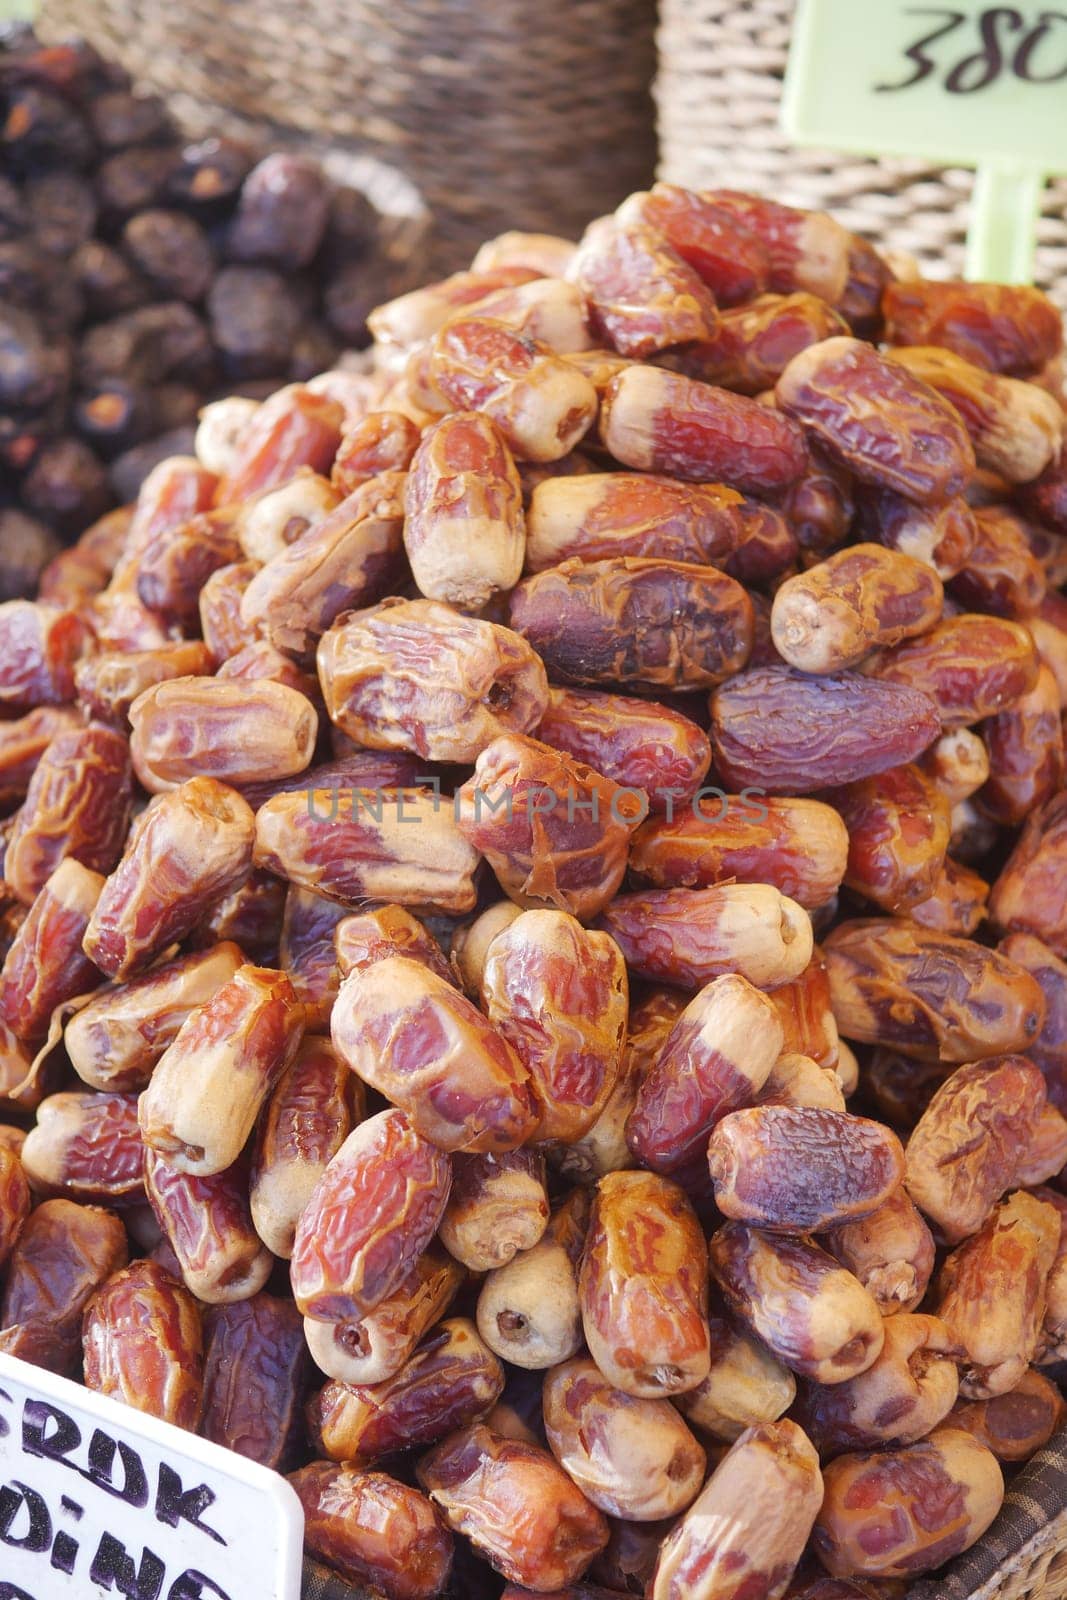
(238, 731)
(689, 936)
(899, 825)
(143, 1344)
(852, 603)
(207, 1224)
(63, 1255)
(372, 1529)
(86, 1147)
(256, 1371)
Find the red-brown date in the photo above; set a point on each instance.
(890, 1251)
(852, 603)
(887, 427)
(373, 1530)
(638, 744)
(497, 1207)
(16, 1201)
(1046, 498)
(174, 491)
(631, 620)
(807, 1309)
(23, 743)
(745, 1533)
(518, 1508)
(799, 1169)
(745, 1387)
(109, 681)
(643, 297)
(1002, 576)
(1016, 1424)
(295, 428)
(306, 951)
(807, 250)
(789, 733)
(62, 1256)
(633, 1458)
(643, 1287)
(1030, 894)
(416, 316)
(251, 916)
(798, 846)
(731, 259)
(754, 343)
(256, 1372)
(235, 731)
(555, 832)
(956, 904)
(557, 992)
(39, 647)
(369, 936)
(376, 1347)
(820, 507)
(1026, 754)
(807, 1018)
(689, 936)
(414, 675)
(659, 421)
(187, 850)
(601, 515)
(207, 1224)
(451, 1379)
(86, 1146)
(971, 666)
(46, 964)
(176, 562)
(142, 1344)
(1048, 1050)
(372, 1214)
(929, 995)
(769, 547)
(999, 327)
(715, 1059)
(899, 824)
(382, 441)
(220, 609)
(941, 535)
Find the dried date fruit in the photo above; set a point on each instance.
(745, 1387)
(373, 1212)
(747, 1530)
(23, 742)
(206, 1223)
(306, 951)
(369, 936)
(807, 1018)
(1002, 575)
(810, 1312)
(890, 1251)
(715, 1059)
(86, 1147)
(1026, 754)
(797, 1080)
(929, 995)
(256, 1371)
(899, 826)
(497, 1207)
(638, 744)
(642, 295)
(77, 806)
(416, 316)
(630, 620)
(971, 666)
(143, 1345)
(376, 1347)
(372, 1529)
(513, 1502)
(108, 682)
(275, 519)
(689, 936)
(806, 250)
(233, 731)
(413, 675)
(1048, 1050)
(220, 609)
(850, 604)
(731, 259)
(173, 567)
(632, 1458)
(643, 1287)
(798, 846)
(788, 733)
(1016, 1424)
(1029, 894)
(754, 343)
(295, 428)
(601, 515)
(46, 964)
(39, 647)
(659, 421)
(189, 847)
(63, 1254)
(450, 1380)
(999, 327)
(16, 1201)
(941, 535)
(956, 904)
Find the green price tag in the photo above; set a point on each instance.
(963, 85)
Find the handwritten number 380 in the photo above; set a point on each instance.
(1001, 50)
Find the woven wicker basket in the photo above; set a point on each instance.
(718, 92)
(501, 116)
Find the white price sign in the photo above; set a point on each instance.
(98, 1500)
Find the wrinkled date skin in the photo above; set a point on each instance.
(464, 531)
(236, 731)
(929, 995)
(820, 507)
(39, 648)
(77, 805)
(306, 951)
(220, 609)
(658, 421)
(643, 1287)
(1016, 1424)
(143, 1344)
(382, 441)
(942, 535)
(369, 936)
(633, 621)
(554, 831)
(689, 936)
(802, 1169)
(747, 1530)
(900, 1398)
(732, 260)
(1049, 1049)
(412, 1036)
(377, 1346)
(632, 1458)
(518, 1508)
(806, 1015)
(209, 1086)
(414, 675)
(187, 850)
(642, 295)
(1003, 576)
(176, 562)
(638, 744)
(452, 1379)
(899, 824)
(305, 1122)
(86, 1146)
(992, 1293)
(207, 1223)
(999, 327)
(887, 427)
(1026, 754)
(295, 428)
(971, 666)
(373, 1530)
(557, 992)
(852, 603)
(755, 343)
(374, 1211)
(899, 1513)
(798, 846)
(63, 1255)
(23, 742)
(788, 733)
(256, 1373)
(110, 681)
(46, 964)
(957, 902)
(716, 1058)
(806, 250)
(745, 1387)
(600, 515)
(1030, 895)
(16, 1201)
(965, 1150)
(891, 1252)
(498, 1207)
(809, 1312)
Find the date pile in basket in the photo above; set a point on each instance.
(455, 823)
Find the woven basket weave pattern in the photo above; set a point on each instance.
(502, 115)
(718, 93)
